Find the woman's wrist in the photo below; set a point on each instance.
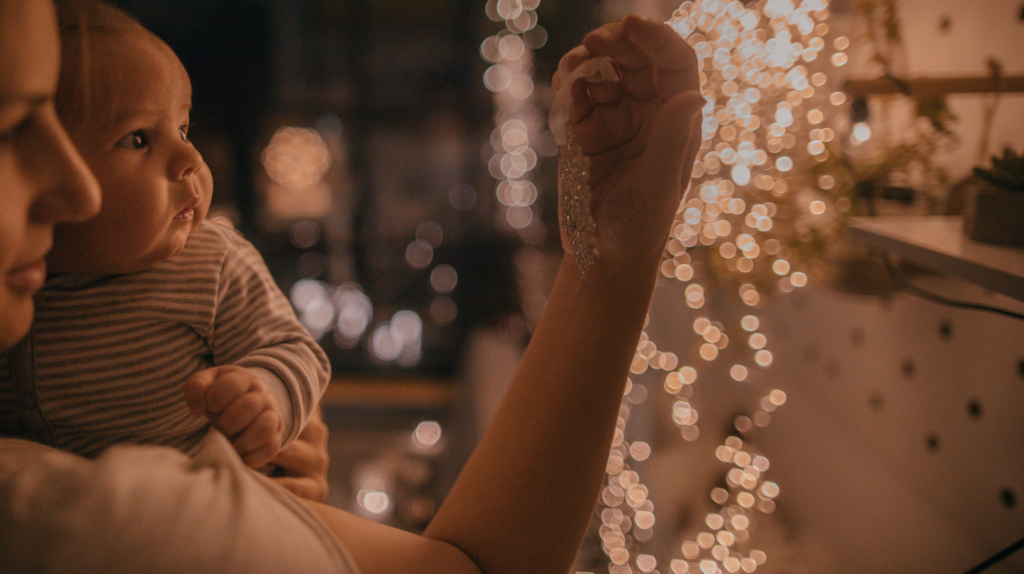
(610, 285)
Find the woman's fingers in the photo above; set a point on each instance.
(582, 105)
(301, 459)
(634, 64)
(297, 458)
(306, 487)
(613, 128)
(654, 64)
(654, 60)
(675, 60)
(612, 41)
(605, 93)
(569, 62)
(674, 141)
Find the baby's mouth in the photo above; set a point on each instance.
(189, 212)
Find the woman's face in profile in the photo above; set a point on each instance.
(43, 180)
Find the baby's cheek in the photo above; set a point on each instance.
(206, 189)
(206, 181)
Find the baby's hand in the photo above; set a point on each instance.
(238, 404)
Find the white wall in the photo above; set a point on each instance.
(977, 30)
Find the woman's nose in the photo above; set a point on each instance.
(68, 190)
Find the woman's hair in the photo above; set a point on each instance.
(80, 22)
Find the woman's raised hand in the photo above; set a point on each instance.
(641, 133)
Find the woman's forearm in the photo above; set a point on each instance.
(524, 499)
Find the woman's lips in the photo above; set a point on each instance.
(29, 277)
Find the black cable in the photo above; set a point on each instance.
(997, 557)
(901, 84)
(945, 300)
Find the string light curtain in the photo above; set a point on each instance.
(519, 122)
(754, 224)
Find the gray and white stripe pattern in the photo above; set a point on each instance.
(112, 353)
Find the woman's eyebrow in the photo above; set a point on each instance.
(30, 99)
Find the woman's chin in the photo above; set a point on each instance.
(16, 313)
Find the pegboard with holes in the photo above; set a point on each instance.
(903, 435)
(898, 449)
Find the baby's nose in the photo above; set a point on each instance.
(187, 161)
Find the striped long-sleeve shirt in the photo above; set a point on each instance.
(108, 356)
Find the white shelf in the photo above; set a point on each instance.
(939, 243)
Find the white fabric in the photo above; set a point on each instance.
(146, 509)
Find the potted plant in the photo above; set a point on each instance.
(994, 212)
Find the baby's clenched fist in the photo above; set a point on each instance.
(239, 404)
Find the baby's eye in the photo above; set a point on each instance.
(134, 140)
(183, 132)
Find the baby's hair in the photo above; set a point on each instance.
(80, 22)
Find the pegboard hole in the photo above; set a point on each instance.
(1020, 368)
(876, 401)
(932, 443)
(812, 353)
(974, 409)
(1008, 498)
(832, 368)
(908, 368)
(946, 330)
(945, 23)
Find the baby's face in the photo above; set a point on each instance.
(156, 188)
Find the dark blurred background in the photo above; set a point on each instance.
(350, 141)
(354, 143)
(390, 94)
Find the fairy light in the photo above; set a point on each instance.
(628, 517)
(296, 158)
(296, 162)
(519, 124)
(763, 70)
(860, 133)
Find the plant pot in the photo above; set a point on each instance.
(995, 216)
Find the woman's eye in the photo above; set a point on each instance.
(8, 136)
(134, 140)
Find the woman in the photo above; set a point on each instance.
(524, 499)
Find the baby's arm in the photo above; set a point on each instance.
(238, 404)
(255, 327)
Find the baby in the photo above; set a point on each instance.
(154, 324)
